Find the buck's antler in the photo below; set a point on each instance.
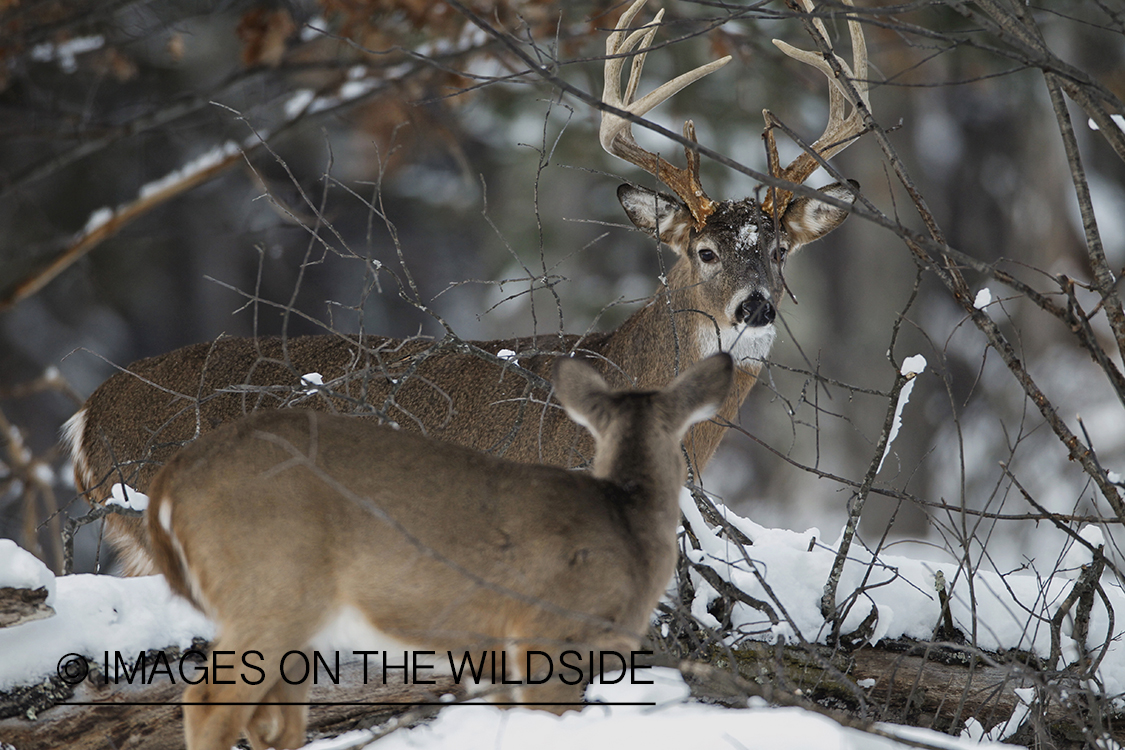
(840, 131)
(616, 132)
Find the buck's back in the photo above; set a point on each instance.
(138, 419)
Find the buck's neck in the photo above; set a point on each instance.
(661, 340)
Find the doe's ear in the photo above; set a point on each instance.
(807, 219)
(656, 213)
(583, 393)
(699, 391)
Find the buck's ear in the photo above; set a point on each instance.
(656, 213)
(583, 393)
(807, 219)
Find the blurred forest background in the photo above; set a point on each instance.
(304, 159)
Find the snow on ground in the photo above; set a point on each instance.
(672, 723)
(20, 570)
(96, 614)
(999, 610)
(102, 613)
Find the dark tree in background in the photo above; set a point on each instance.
(173, 172)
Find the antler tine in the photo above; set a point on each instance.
(840, 131)
(616, 133)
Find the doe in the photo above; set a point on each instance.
(288, 525)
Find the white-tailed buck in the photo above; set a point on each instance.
(286, 524)
(721, 295)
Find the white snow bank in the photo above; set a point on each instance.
(95, 614)
(1011, 612)
(19, 569)
(672, 723)
(98, 614)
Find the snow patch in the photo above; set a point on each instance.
(95, 614)
(1118, 120)
(127, 497)
(1093, 535)
(65, 54)
(314, 28)
(747, 240)
(43, 473)
(902, 589)
(311, 380)
(1079, 554)
(668, 721)
(207, 160)
(298, 102)
(19, 569)
(98, 219)
(911, 368)
(176, 177)
(355, 89)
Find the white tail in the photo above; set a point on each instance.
(282, 524)
(721, 295)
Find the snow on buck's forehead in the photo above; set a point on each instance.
(747, 240)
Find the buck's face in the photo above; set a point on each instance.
(729, 271)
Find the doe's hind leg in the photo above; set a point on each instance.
(545, 689)
(281, 719)
(215, 715)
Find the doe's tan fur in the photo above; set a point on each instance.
(276, 524)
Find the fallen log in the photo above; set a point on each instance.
(937, 686)
(98, 714)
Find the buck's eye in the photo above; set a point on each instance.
(707, 255)
(779, 253)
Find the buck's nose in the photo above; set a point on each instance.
(756, 311)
